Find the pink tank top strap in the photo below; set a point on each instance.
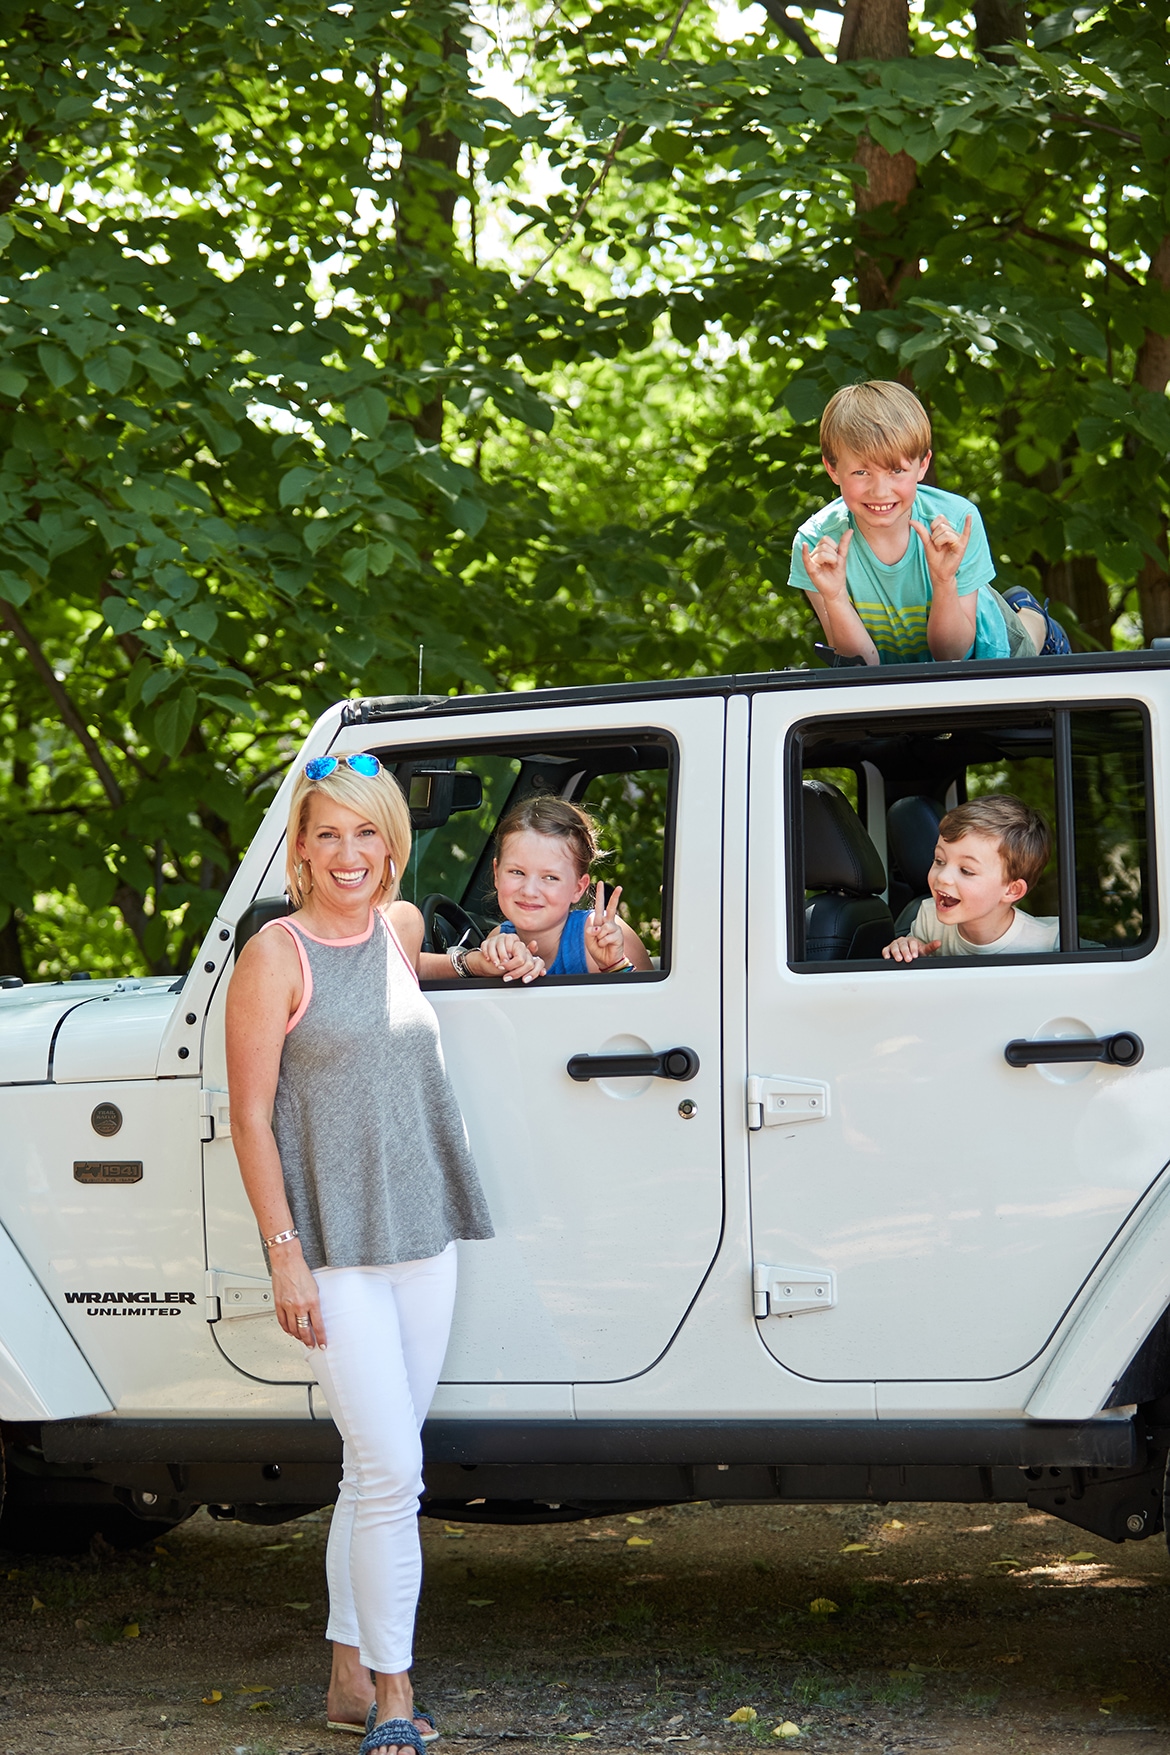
(306, 971)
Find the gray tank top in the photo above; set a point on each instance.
(376, 1164)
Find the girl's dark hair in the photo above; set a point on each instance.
(548, 815)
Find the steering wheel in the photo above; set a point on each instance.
(445, 924)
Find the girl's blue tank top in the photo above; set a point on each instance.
(570, 957)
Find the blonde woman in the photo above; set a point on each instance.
(355, 1159)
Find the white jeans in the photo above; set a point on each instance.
(386, 1331)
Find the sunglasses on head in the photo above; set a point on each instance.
(321, 767)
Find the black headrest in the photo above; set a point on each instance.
(838, 854)
(911, 836)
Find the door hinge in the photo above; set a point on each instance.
(773, 1102)
(234, 1295)
(215, 1122)
(792, 1291)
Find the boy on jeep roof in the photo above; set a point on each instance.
(899, 573)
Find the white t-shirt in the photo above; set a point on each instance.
(1027, 932)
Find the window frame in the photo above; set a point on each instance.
(526, 747)
(1060, 710)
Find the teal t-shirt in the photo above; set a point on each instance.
(894, 601)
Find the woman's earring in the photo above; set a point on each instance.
(303, 866)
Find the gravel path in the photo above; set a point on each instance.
(980, 1631)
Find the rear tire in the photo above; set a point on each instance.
(71, 1529)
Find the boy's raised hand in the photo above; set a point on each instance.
(825, 565)
(944, 547)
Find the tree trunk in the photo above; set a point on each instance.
(11, 951)
(1078, 583)
(425, 202)
(1152, 372)
(998, 22)
(879, 30)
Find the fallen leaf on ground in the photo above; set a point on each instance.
(1079, 1558)
(1011, 1657)
(639, 1541)
(82, 1626)
(259, 1706)
(743, 1715)
(895, 1523)
(162, 1551)
(635, 1520)
(131, 1630)
(212, 1699)
(254, 1688)
(298, 1605)
(787, 1729)
(1113, 1699)
(822, 1606)
(578, 1736)
(857, 1548)
(481, 1602)
(275, 1547)
(14, 1575)
(37, 1604)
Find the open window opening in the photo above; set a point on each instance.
(865, 798)
(458, 795)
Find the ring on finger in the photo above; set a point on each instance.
(302, 1322)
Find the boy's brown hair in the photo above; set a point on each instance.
(881, 421)
(1024, 838)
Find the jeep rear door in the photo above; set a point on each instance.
(951, 1203)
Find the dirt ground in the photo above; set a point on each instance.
(860, 1629)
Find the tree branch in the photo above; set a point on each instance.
(63, 703)
(1078, 249)
(566, 230)
(792, 27)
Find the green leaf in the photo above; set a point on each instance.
(14, 589)
(200, 620)
(805, 400)
(95, 886)
(12, 383)
(468, 514)
(368, 411)
(110, 371)
(159, 680)
(57, 365)
(123, 617)
(1059, 25)
(173, 721)
(295, 484)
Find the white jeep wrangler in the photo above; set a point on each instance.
(775, 1220)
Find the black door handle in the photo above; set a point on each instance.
(672, 1063)
(1124, 1049)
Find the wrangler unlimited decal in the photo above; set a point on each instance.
(131, 1303)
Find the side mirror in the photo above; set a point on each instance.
(434, 794)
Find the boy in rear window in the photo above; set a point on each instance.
(990, 853)
(900, 573)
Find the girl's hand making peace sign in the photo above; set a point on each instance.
(604, 939)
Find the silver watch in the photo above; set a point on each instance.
(458, 956)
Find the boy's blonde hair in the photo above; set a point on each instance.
(883, 422)
(378, 799)
(1022, 834)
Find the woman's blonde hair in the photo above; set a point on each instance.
(377, 798)
(881, 422)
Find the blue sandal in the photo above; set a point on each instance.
(1057, 644)
(391, 1734)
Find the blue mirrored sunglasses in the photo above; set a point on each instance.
(321, 767)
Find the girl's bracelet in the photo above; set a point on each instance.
(625, 967)
(289, 1236)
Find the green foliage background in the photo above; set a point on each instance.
(312, 351)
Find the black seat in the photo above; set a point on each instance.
(848, 919)
(911, 837)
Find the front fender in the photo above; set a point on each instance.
(43, 1375)
(1128, 1296)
